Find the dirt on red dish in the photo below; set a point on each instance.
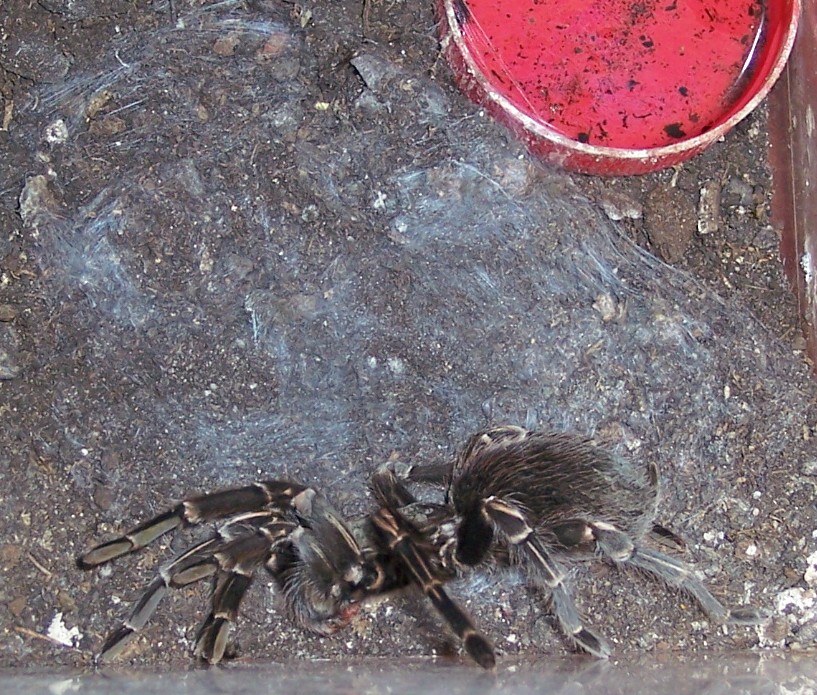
(621, 75)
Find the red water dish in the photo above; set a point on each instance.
(616, 86)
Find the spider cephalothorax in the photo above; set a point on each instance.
(537, 501)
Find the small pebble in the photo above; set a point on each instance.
(10, 555)
(709, 208)
(17, 605)
(110, 460)
(776, 630)
(7, 312)
(66, 601)
(226, 45)
(9, 369)
(619, 206)
(103, 497)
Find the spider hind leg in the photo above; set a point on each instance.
(621, 549)
(546, 573)
(680, 575)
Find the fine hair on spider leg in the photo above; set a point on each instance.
(231, 562)
(195, 510)
(681, 576)
(545, 571)
(409, 545)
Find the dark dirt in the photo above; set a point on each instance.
(265, 238)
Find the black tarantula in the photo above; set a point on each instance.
(513, 498)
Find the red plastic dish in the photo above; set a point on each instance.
(617, 86)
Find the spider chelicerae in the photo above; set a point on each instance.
(513, 498)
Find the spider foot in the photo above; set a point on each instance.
(747, 615)
(591, 643)
(480, 650)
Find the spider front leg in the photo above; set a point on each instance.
(404, 540)
(234, 566)
(195, 510)
(232, 558)
(301, 540)
(232, 553)
(318, 567)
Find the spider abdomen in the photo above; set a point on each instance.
(559, 480)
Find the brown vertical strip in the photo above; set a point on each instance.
(793, 157)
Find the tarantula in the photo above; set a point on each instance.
(536, 500)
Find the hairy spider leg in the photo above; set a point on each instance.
(399, 534)
(231, 559)
(195, 510)
(513, 525)
(674, 573)
(405, 541)
(235, 566)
